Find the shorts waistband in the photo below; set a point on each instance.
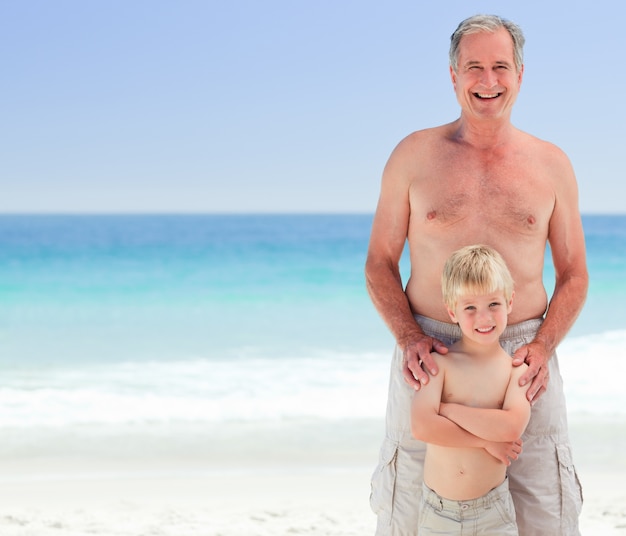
(452, 331)
(457, 507)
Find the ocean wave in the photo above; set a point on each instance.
(327, 385)
(593, 368)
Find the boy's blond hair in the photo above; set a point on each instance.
(475, 270)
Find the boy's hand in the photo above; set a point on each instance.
(505, 452)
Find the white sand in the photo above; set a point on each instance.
(210, 504)
(208, 484)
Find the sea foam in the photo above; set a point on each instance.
(255, 388)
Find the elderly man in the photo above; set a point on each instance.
(480, 180)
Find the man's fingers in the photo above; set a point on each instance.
(420, 376)
(542, 389)
(414, 375)
(519, 357)
(530, 374)
(428, 363)
(427, 358)
(439, 347)
(419, 362)
(410, 379)
(538, 387)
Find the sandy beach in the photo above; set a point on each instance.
(281, 479)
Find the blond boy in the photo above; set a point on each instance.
(473, 413)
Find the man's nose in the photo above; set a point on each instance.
(489, 78)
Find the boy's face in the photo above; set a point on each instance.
(482, 317)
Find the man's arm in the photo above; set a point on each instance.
(382, 272)
(567, 243)
(506, 424)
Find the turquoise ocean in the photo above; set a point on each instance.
(203, 320)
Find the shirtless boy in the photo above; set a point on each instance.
(476, 398)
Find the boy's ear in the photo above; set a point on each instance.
(510, 307)
(451, 315)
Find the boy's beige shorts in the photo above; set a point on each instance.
(543, 482)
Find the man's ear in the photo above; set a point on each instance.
(453, 77)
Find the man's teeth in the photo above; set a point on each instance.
(487, 96)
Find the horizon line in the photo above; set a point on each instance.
(227, 213)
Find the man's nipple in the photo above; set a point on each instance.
(431, 215)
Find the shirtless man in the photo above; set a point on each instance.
(479, 180)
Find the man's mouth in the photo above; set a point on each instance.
(487, 95)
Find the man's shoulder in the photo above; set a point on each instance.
(420, 145)
(430, 133)
(538, 146)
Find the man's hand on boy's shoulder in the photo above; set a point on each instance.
(418, 362)
(536, 357)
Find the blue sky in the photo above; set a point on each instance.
(264, 106)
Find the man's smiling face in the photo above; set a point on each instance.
(487, 81)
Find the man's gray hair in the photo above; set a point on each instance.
(487, 23)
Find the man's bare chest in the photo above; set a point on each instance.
(512, 200)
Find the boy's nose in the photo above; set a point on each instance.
(485, 315)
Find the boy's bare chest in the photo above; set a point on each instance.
(477, 386)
